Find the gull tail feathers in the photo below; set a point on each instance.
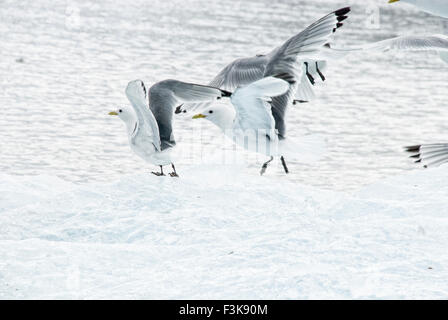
(305, 149)
(310, 41)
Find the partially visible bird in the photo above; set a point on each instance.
(436, 7)
(437, 43)
(429, 154)
(149, 122)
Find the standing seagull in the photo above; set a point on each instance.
(149, 126)
(251, 122)
(436, 7)
(429, 154)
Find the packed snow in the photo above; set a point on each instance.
(223, 232)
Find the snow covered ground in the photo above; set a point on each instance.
(80, 217)
(220, 232)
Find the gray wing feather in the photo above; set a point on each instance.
(164, 96)
(414, 43)
(289, 58)
(240, 72)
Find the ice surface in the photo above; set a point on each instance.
(219, 232)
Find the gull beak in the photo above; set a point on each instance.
(113, 113)
(199, 116)
(392, 1)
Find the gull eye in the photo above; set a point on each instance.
(120, 110)
(211, 111)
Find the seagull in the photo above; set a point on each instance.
(429, 154)
(298, 56)
(436, 7)
(251, 123)
(297, 61)
(149, 121)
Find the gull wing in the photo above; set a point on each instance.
(305, 45)
(429, 154)
(147, 124)
(252, 103)
(290, 57)
(240, 72)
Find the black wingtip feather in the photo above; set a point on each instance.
(413, 149)
(342, 11)
(226, 93)
(341, 16)
(299, 101)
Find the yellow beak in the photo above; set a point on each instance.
(113, 113)
(198, 116)
(392, 1)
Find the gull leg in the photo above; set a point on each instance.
(310, 77)
(284, 164)
(159, 174)
(320, 73)
(265, 165)
(174, 173)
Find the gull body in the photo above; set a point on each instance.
(251, 122)
(149, 122)
(435, 7)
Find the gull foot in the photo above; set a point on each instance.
(159, 174)
(174, 174)
(265, 165)
(310, 77)
(319, 72)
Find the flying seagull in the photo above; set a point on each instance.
(298, 56)
(436, 7)
(296, 61)
(429, 154)
(149, 125)
(251, 123)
